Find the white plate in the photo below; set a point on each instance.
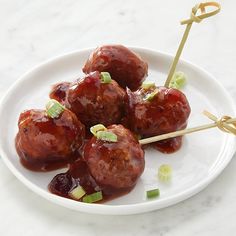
(201, 159)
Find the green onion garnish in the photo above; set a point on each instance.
(147, 85)
(150, 96)
(100, 132)
(77, 193)
(99, 127)
(165, 172)
(178, 80)
(106, 136)
(94, 197)
(153, 193)
(105, 77)
(54, 108)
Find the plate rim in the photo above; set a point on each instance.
(125, 209)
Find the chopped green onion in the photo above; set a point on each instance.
(147, 85)
(165, 172)
(100, 131)
(54, 108)
(94, 197)
(77, 193)
(105, 77)
(153, 193)
(150, 96)
(178, 80)
(106, 136)
(99, 127)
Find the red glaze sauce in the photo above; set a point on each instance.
(78, 175)
(169, 145)
(117, 164)
(44, 144)
(113, 168)
(168, 111)
(95, 102)
(126, 67)
(59, 91)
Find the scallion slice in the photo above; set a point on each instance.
(105, 77)
(150, 96)
(99, 127)
(147, 85)
(178, 80)
(54, 108)
(94, 197)
(153, 193)
(77, 193)
(165, 173)
(106, 136)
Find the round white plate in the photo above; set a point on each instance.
(201, 159)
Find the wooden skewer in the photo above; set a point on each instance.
(226, 124)
(189, 22)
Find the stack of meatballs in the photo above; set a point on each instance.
(125, 107)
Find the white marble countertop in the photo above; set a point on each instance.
(33, 31)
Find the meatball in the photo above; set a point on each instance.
(167, 111)
(44, 143)
(126, 67)
(59, 91)
(115, 164)
(96, 102)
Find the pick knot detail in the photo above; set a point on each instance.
(202, 7)
(225, 123)
(194, 17)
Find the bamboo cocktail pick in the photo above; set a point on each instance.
(193, 18)
(225, 123)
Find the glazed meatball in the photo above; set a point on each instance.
(59, 91)
(44, 143)
(96, 102)
(115, 164)
(126, 67)
(167, 111)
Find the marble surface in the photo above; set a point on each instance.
(33, 31)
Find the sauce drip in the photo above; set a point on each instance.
(78, 175)
(45, 144)
(169, 145)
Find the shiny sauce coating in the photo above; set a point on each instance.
(126, 67)
(95, 102)
(79, 175)
(166, 112)
(44, 143)
(59, 91)
(111, 167)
